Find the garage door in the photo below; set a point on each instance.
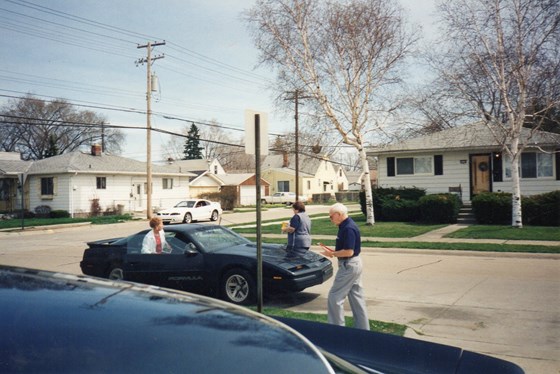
(248, 195)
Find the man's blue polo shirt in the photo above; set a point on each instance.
(348, 236)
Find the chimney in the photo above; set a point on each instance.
(285, 160)
(96, 150)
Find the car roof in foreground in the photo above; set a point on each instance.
(65, 323)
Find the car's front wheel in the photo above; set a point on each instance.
(116, 273)
(238, 287)
(187, 218)
(214, 216)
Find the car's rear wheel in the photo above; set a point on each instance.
(263, 201)
(214, 216)
(116, 273)
(187, 218)
(238, 287)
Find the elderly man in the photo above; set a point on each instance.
(348, 280)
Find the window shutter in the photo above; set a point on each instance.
(390, 166)
(438, 165)
(497, 167)
(557, 164)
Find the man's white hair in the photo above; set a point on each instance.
(339, 208)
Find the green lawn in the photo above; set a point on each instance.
(379, 326)
(323, 226)
(507, 232)
(31, 222)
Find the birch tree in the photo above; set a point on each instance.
(502, 57)
(342, 55)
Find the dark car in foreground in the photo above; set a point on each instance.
(61, 323)
(206, 259)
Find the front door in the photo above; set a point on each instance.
(480, 173)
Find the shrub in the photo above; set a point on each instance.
(399, 202)
(60, 214)
(541, 210)
(439, 208)
(227, 197)
(398, 210)
(492, 208)
(95, 208)
(42, 211)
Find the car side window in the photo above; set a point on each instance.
(178, 246)
(134, 244)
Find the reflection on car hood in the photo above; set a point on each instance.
(272, 253)
(63, 323)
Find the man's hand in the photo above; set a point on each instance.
(327, 252)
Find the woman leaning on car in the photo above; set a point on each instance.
(299, 231)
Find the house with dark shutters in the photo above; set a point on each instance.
(468, 160)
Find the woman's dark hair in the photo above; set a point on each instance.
(298, 205)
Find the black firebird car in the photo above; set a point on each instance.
(62, 323)
(205, 259)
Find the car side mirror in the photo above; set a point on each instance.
(190, 250)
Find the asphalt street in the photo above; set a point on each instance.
(507, 306)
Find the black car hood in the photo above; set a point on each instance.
(272, 253)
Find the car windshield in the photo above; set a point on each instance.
(215, 238)
(185, 204)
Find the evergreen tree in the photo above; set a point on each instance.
(52, 148)
(193, 150)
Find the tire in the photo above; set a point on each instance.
(187, 218)
(238, 287)
(214, 216)
(263, 201)
(116, 273)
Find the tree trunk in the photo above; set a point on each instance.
(369, 196)
(516, 217)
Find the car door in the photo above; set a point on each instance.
(136, 266)
(182, 268)
(202, 210)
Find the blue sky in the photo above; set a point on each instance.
(85, 51)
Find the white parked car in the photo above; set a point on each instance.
(283, 198)
(188, 211)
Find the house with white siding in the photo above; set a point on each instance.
(468, 160)
(12, 169)
(74, 180)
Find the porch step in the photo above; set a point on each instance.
(466, 215)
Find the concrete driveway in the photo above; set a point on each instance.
(507, 306)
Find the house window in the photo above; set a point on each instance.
(101, 183)
(533, 165)
(414, 165)
(47, 186)
(167, 183)
(283, 186)
(308, 185)
(215, 169)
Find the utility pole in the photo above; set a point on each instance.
(149, 60)
(295, 96)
